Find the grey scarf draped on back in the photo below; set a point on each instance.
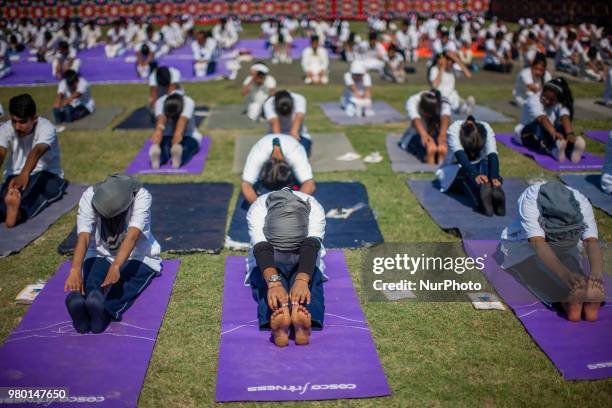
(112, 199)
(286, 223)
(560, 214)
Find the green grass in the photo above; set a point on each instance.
(434, 354)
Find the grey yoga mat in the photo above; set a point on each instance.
(99, 119)
(590, 186)
(231, 117)
(15, 239)
(326, 147)
(402, 161)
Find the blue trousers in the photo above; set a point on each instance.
(43, 188)
(69, 113)
(535, 136)
(307, 144)
(190, 148)
(288, 274)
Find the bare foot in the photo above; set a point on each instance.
(595, 295)
(573, 311)
(279, 323)
(12, 199)
(302, 322)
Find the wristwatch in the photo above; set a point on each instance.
(274, 278)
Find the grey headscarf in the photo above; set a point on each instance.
(112, 198)
(286, 224)
(560, 214)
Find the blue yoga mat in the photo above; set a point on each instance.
(590, 186)
(358, 230)
(455, 212)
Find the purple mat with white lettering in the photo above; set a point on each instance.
(339, 362)
(141, 164)
(580, 350)
(96, 68)
(106, 369)
(588, 162)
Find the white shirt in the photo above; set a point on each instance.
(524, 78)
(447, 81)
(318, 58)
(286, 122)
(412, 107)
(204, 51)
(492, 48)
(20, 147)
(82, 88)
(260, 92)
(565, 52)
(256, 219)
(533, 109)
(175, 77)
(147, 249)
(188, 110)
(293, 152)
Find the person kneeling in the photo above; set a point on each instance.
(176, 136)
(116, 255)
(471, 166)
(34, 175)
(285, 266)
(73, 101)
(357, 96)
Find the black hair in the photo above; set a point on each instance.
(71, 77)
(592, 52)
(162, 75)
(22, 106)
(431, 103)
(539, 59)
(145, 50)
(572, 35)
(499, 35)
(563, 92)
(173, 106)
(373, 35)
(434, 62)
(393, 47)
(276, 174)
(472, 136)
(283, 103)
(531, 35)
(63, 45)
(314, 38)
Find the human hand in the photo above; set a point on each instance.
(277, 295)
(300, 292)
(112, 276)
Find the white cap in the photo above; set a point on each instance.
(260, 68)
(358, 68)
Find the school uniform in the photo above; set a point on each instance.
(144, 263)
(446, 87)
(286, 122)
(116, 45)
(525, 77)
(519, 257)
(175, 78)
(60, 61)
(563, 58)
(257, 96)
(314, 62)
(46, 183)
(372, 56)
(493, 62)
(5, 62)
(394, 68)
(286, 263)
(78, 108)
(191, 136)
(293, 152)
(204, 57)
(411, 141)
(528, 125)
(227, 36)
(352, 105)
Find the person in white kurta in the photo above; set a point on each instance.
(315, 63)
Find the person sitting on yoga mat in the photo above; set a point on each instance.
(65, 59)
(542, 249)
(176, 135)
(163, 81)
(315, 63)
(145, 59)
(5, 61)
(205, 52)
(499, 54)
(471, 166)
(116, 255)
(73, 100)
(285, 114)
(441, 76)
(357, 97)
(33, 176)
(274, 162)
(285, 264)
(257, 87)
(429, 115)
(281, 42)
(225, 33)
(116, 39)
(606, 175)
(531, 80)
(546, 123)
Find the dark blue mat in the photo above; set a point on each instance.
(455, 212)
(357, 231)
(590, 186)
(187, 217)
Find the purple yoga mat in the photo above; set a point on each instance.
(141, 164)
(599, 135)
(588, 162)
(339, 362)
(257, 48)
(45, 351)
(581, 350)
(96, 68)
